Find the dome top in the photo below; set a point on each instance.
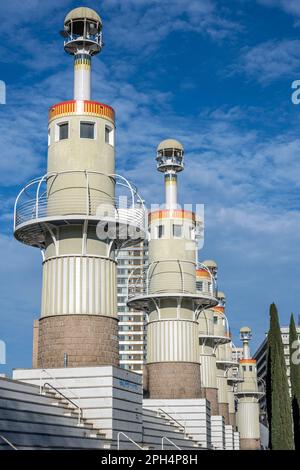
(221, 295)
(209, 263)
(170, 144)
(82, 13)
(245, 329)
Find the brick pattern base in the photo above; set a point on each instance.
(232, 420)
(174, 380)
(88, 340)
(211, 394)
(250, 444)
(224, 411)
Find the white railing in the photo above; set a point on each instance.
(4, 439)
(164, 412)
(164, 438)
(166, 276)
(60, 387)
(129, 439)
(57, 195)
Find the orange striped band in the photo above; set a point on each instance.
(202, 273)
(248, 361)
(218, 309)
(90, 108)
(172, 214)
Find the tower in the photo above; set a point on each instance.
(208, 339)
(79, 214)
(248, 396)
(169, 295)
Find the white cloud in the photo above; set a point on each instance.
(289, 6)
(271, 60)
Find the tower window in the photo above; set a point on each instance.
(160, 231)
(49, 137)
(177, 231)
(199, 285)
(87, 130)
(109, 135)
(63, 131)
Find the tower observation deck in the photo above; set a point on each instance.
(79, 214)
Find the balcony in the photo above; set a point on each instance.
(167, 279)
(75, 197)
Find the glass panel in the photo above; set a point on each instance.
(177, 230)
(63, 131)
(87, 130)
(160, 231)
(109, 135)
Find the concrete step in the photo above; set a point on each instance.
(19, 404)
(45, 429)
(37, 441)
(33, 416)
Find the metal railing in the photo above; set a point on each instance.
(57, 195)
(47, 384)
(4, 439)
(129, 439)
(164, 438)
(60, 386)
(183, 426)
(177, 274)
(251, 385)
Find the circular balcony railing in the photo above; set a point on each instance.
(167, 278)
(72, 196)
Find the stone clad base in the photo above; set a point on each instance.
(232, 420)
(174, 380)
(224, 411)
(88, 340)
(250, 444)
(211, 394)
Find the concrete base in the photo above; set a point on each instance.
(224, 411)
(232, 420)
(250, 444)
(87, 340)
(211, 394)
(174, 380)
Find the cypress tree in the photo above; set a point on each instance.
(295, 380)
(278, 399)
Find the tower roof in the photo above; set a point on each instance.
(209, 263)
(245, 329)
(81, 13)
(221, 295)
(170, 144)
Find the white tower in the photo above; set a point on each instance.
(73, 214)
(170, 297)
(248, 395)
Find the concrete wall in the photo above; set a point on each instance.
(111, 398)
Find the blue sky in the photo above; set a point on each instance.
(214, 74)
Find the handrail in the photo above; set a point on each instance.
(37, 200)
(173, 419)
(164, 438)
(66, 398)
(143, 280)
(127, 437)
(8, 442)
(59, 384)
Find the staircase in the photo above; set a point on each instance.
(158, 425)
(29, 420)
